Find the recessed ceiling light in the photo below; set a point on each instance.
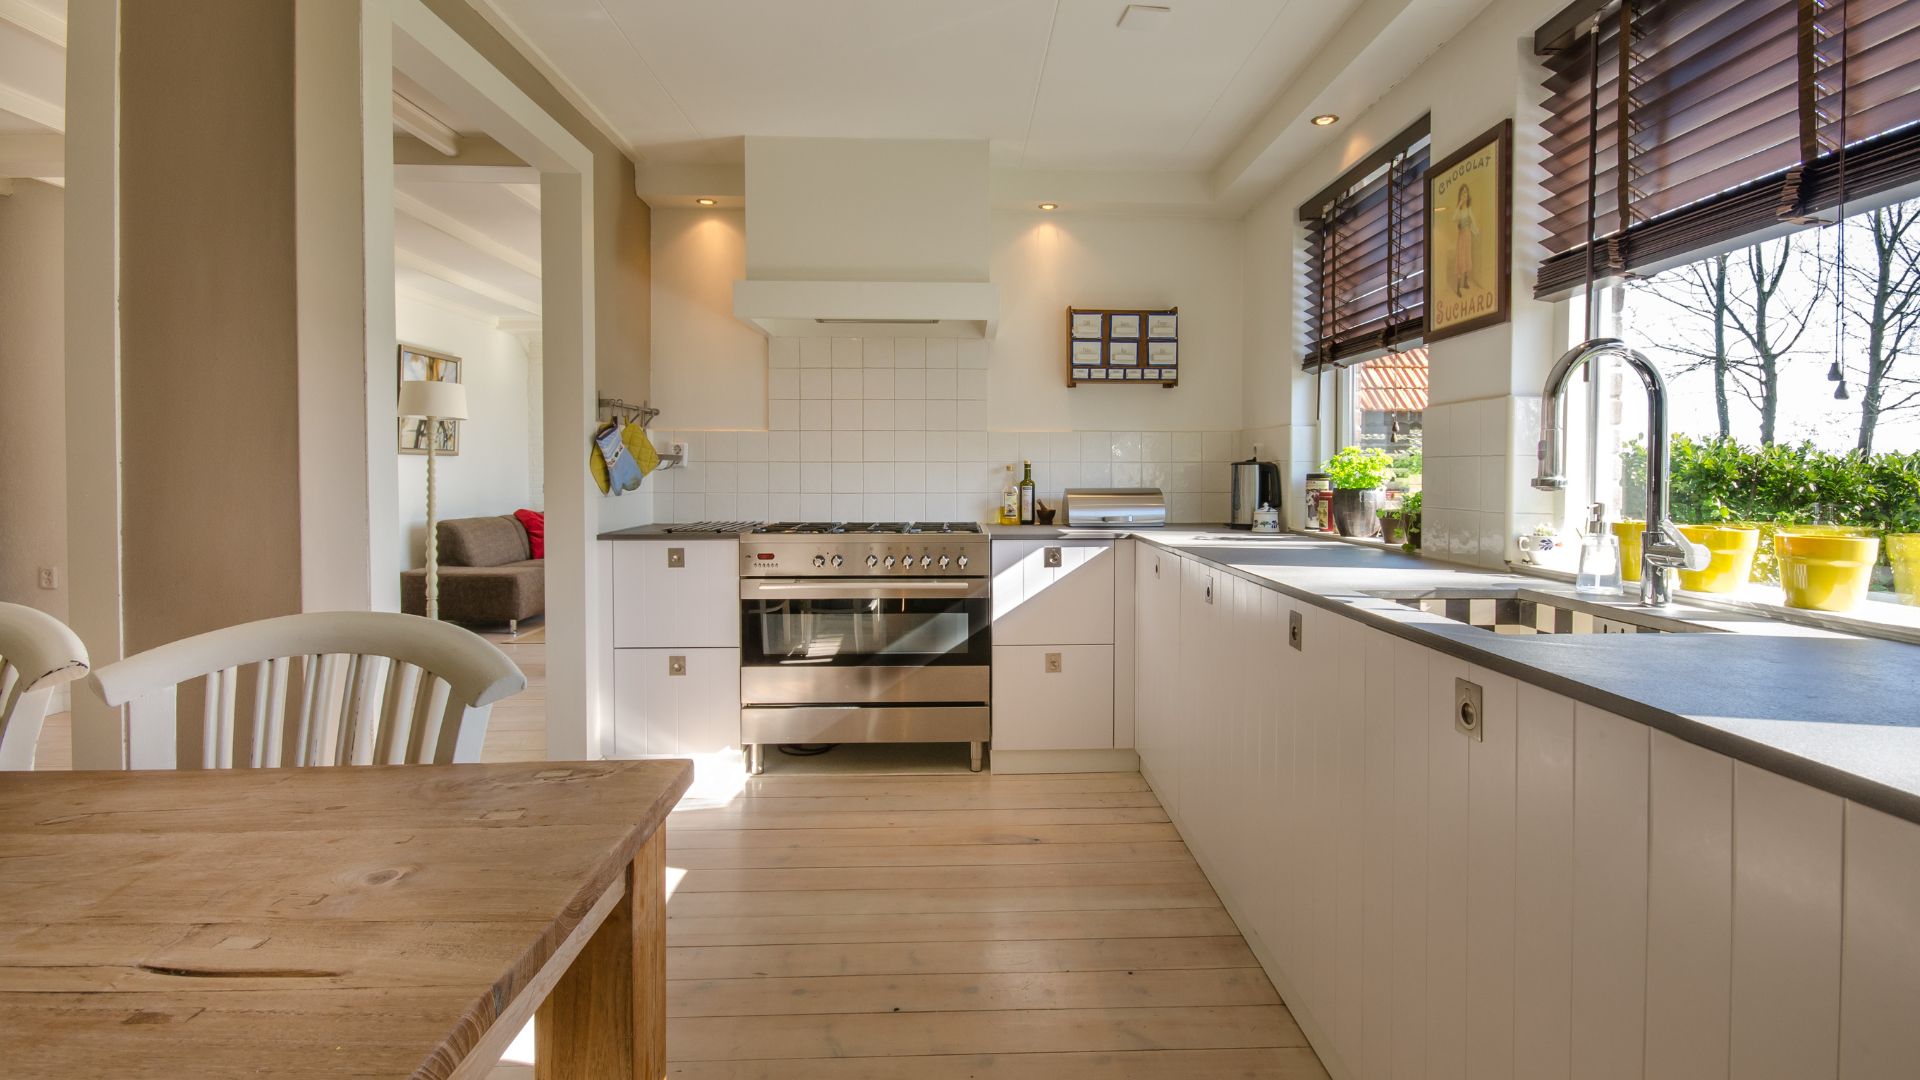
(710, 202)
(1049, 206)
(1325, 119)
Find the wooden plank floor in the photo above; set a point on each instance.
(948, 926)
(937, 927)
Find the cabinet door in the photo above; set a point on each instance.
(1035, 708)
(1196, 709)
(669, 594)
(1156, 664)
(1038, 604)
(661, 706)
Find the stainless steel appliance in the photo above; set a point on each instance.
(864, 632)
(1110, 507)
(1255, 484)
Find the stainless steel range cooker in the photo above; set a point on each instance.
(871, 632)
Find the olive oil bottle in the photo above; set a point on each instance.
(1026, 495)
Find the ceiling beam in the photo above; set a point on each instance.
(33, 155)
(32, 109)
(423, 125)
(447, 304)
(415, 261)
(37, 21)
(435, 218)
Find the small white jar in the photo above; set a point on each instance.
(1266, 520)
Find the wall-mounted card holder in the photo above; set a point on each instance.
(1108, 345)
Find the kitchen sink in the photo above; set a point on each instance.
(1524, 613)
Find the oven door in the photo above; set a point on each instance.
(854, 642)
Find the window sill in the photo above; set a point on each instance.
(1881, 616)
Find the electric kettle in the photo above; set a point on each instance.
(1256, 483)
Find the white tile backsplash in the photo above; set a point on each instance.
(884, 428)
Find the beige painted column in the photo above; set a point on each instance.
(93, 360)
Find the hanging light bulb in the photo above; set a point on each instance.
(1834, 374)
(1840, 391)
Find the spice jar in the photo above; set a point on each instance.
(1319, 503)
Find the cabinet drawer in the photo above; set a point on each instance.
(1037, 709)
(692, 605)
(1038, 604)
(664, 707)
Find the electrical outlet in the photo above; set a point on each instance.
(1050, 556)
(49, 578)
(1296, 631)
(679, 450)
(676, 665)
(1469, 716)
(1053, 663)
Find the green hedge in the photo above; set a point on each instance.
(1719, 480)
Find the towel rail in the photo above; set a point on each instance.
(642, 414)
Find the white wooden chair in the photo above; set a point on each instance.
(327, 688)
(37, 654)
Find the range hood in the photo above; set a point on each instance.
(867, 237)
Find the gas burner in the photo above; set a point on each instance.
(945, 527)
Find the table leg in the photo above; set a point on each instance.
(607, 1017)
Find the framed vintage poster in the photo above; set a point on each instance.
(1469, 236)
(417, 364)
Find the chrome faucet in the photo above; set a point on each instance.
(1662, 548)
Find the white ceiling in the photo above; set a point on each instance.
(33, 66)
(1053, 84)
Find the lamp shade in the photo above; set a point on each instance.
(444, 400)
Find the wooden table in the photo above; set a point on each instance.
(355, 922)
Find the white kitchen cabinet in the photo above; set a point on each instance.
(1071, 603)
(1156, 644)
(675, 701)
(1042, 706)
(671, 594)
(1609, 894)
(1689, 910)
(1880, 965)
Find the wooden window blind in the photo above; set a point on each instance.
(1365, 254)
(1730, 123)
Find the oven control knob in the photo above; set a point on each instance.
(890, 561)
(944, 561)
(873, 560)
(926, 560)
(819, 560)
(837, 560)
(963, 562)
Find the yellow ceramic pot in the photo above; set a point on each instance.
(1732, 549)
(1904, 549)
(1629, 531)
(1825, 570)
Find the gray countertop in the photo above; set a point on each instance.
(671, 532)
(1836, 712)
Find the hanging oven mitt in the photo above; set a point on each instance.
(640, 445)
(612, 458)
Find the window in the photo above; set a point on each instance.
(1752, 209)
(1365, 255)
(1382, 404)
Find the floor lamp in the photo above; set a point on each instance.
(434, 401)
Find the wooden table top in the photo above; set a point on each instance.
(367, 921)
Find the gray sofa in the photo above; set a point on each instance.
(487, 574)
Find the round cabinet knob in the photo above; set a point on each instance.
(944, 561)
(837, 560)
(873, 560)
(963, 562)
(890, 561)
(926, 560)
(819, 560)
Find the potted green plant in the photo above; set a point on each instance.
(1410, 511)
(1393, 524)
(1359, 476)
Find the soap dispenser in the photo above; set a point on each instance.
(1599, 557)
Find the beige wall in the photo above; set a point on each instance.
(211, 509)
(33, 477)
(622, 267)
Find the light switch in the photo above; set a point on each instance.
(1053, 663)
(676, 558)
(676, 665)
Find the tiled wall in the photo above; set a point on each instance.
(866, 429)
(1479, 468)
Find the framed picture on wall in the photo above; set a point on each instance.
(1469, 208)
(416, 365)
(1086, 326)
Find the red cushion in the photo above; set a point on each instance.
(535, 523)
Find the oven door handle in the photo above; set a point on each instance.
(801, 589)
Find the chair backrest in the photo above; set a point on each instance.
(327, 688)
(37, 654)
